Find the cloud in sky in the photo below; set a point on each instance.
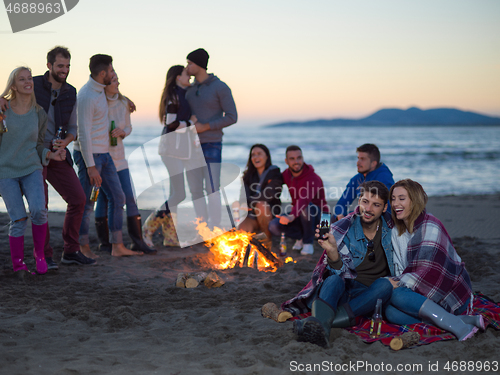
(285, 60)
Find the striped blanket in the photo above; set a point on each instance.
(428, 333)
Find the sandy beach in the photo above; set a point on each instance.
(126, 316)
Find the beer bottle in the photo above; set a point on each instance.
(283, 245)
(112, 140)
(3, 125)
(94, 194)
(58, 136)
(376, 324)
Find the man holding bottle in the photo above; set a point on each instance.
(308, 201)
(351, 274)
(91, 153)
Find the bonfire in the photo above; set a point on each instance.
(237, 248)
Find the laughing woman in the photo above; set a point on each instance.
(262, 185)
(21, 157)
(431, 282)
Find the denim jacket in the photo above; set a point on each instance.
(352, 248)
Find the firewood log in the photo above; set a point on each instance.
(194, 279)
(270, 310)
(265, 252)
(406, 340)
(213, 280)
(189, 280)
(181, 280)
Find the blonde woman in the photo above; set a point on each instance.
(21, 157)
(431, 283)
(119, 112)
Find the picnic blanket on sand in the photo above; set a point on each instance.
(428, 333)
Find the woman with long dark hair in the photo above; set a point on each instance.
(176, 148)
(21, 157)
(262, 185)
(431, 283)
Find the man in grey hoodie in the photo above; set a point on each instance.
(211, 101)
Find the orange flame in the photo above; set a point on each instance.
(229, 249)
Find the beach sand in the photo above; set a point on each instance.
(125, 315)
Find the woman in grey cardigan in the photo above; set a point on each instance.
(21, 157)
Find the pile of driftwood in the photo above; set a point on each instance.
(192, 280)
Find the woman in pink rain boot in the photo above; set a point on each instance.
(21, 157)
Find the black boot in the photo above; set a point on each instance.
(316, 329)
(344, 317)
(135, 232)
(101, 227)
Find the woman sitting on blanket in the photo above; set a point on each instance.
(431, 283)
(262, 184)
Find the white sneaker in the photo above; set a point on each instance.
(308, 249)
(298, 245)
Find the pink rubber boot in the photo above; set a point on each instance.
(17, 253)
(39, 233)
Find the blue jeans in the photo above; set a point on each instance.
(110, 186)
(207, 180)
(361, 298)
(12, 190)
(101, 207)
(302, 228)
(405, 306)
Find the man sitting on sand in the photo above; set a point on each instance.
(369, 169)
(350, 275)
(308, 200)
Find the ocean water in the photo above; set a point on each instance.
(445, 160)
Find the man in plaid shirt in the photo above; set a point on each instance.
(350, 275)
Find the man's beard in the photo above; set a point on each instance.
(107, 80)
(364, 221)
(297, 170)
(57, 79)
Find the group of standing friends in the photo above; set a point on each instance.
(44, 114)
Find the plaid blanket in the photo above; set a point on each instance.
(434, 268)
(428, 333)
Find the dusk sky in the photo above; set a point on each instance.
(284, 60)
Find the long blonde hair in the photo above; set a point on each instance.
(418, 199)
(10, 94)
(120, 95)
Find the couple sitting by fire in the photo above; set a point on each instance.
(413, 268)
(262, 185)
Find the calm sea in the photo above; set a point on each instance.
(445, 160)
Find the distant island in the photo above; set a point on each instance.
(406, 117)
